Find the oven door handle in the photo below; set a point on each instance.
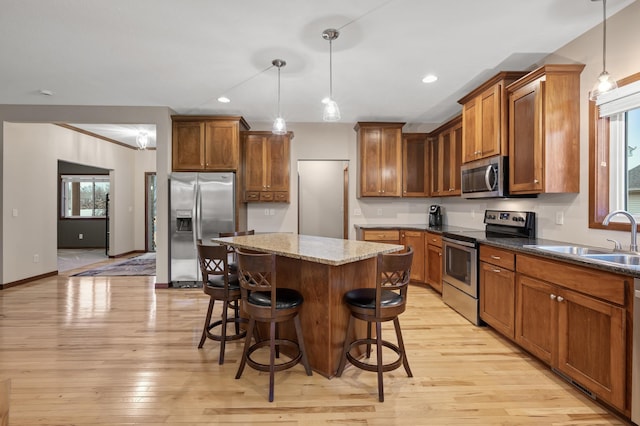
(458, 242)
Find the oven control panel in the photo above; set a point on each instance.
(508, 218)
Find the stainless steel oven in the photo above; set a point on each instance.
(460, 289)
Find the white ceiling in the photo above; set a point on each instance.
(185, 54)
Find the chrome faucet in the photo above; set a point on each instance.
(634, 226)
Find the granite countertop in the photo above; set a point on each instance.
(330, 251)
(416, 227)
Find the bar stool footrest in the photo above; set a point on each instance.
(276, 367)
(374, 367)
(229, 337)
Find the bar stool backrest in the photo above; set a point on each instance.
(213, 261)
(257, 272)
(394, 273)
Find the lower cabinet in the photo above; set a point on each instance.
(433, 260)
(415, 239)
(573, 319)
(389, 236)
(498, 289)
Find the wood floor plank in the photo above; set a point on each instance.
(117, 351)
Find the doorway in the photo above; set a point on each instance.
(323, 187)
(150, 211)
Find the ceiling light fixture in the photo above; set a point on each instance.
(224, 100)
(279, 125)
(142, 140)
(605, 82)
(331, 111)
(429, 78)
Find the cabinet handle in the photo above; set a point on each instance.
(383, 191)
(552, 296)
(440, 254)
(495, 257)
(434, 239)
(560, 299)
(536, 181)
(268, 186)
(497, 271)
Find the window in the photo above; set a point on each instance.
(614, 157)
(84, 196)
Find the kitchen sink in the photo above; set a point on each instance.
(577, 250)
(619, 258)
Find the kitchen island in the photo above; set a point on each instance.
(322, 270)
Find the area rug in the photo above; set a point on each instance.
(139, 265)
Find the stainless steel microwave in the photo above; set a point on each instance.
(486, 178)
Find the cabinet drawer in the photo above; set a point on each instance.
(266, 196)
(434, 239)
(381, 235)
(251, 196)
(281, 196)
(498, 257)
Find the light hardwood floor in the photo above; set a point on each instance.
(115, 351)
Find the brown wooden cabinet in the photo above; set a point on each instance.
(389, 236)
(445, 159)
(484, 118)
(379, 159)
(498, 289)
(544, 131)
(573, 318)
(415, 165)
(206, 143)
(266, 171)
(433, 260)
(415, 239)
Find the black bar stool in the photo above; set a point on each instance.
(376, 305)
(219, 284)
(263, 301)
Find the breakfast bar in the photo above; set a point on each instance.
(322, 270)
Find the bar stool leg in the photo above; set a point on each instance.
(379, 360)
(303, 351)
(272, 357)
(368, 339)
(206, 322)
(225, 306)
(405, 361)
(247, 343)
(347, 342)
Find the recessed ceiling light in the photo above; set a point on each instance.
(429, 78)
(46, 92)
(224, 100)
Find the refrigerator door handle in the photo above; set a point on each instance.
(196, 214)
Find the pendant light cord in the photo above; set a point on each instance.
(330, 69)
(604, 35)
(279, 115)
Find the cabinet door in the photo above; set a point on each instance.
(370, 155)
(221, 145)
(435, 161)
(434, 267)
(277, 176)
(470, 129)
(447, 158)
(415, 154)
(591, 346)
(391, 162)
(188, 145)
(255, 163)
(536, 314)
(498, 298)
(455, 158)
(490, 122)
(525, 143)
(415, 239)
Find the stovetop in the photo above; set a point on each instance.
(499, 224)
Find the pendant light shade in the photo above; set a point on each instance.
(605, 82)
(279, 125)
(331, 110)
(142, 140)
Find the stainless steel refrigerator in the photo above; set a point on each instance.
(202, 205)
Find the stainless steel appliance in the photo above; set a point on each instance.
(201, 206)
(460, 288)
(485, 178)
(435, 215)
(635, 353)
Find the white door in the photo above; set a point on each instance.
(321, 197)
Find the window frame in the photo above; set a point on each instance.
(61, 193)
(599, 148)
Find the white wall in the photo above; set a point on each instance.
(30, 187)
(338, 141)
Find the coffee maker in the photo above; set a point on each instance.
(435, 215)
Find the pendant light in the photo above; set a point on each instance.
(331, 111)
(605, 82)
(279, 125)
(142, 140)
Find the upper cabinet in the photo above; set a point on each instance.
(266, 166)
(415, 165)
(484, 118)
(379, 159)
(206, 143)
(445, 146)
(544, 131)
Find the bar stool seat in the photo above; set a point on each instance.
(264, 302)
(376, 305)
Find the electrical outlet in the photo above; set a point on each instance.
(80, 236)
(379, 212)
(357, 212)
(272, 212)
(266, 212)
(36, 258)
(559, 218)
(15, 212)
